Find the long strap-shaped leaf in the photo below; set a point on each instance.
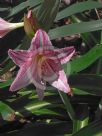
(33, 3)
(84, 61)
(89, 83)
(23, 6)
(94, 129)
(77, 8)
(47, 13)
(75, 28)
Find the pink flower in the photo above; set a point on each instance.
(41, 64)
(6, 27)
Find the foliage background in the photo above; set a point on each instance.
(78, 24)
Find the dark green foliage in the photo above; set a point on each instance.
(79, 115)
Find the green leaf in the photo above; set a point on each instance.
(18, 9)
(78, 124)
(77, 8)
(93, 129)
(48, 112)
(6, 83)
(33, 3)
(6, 112)
(4, 9)
(46, 129)
(30, 102)
(68, 106)
(75, 28)
(88, 38)
(89, 83)
(79, 64)
(83, 117)
(47, 13)
(77, 91)
(8, 64)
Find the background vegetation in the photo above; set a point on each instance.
(79, 24)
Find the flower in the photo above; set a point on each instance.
(6, 27)
(31, 24)
(41, 64)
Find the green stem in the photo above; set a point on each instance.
(21, 24)
(16, 25)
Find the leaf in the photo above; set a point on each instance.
(77, 8)
(48, 112)
(47, 13)
(46, 129)
(78, 124)
(33, 3)
(29, 102)
(68, 106)
(77, 91)
(93, 129)
(82, 117)
(8, 64)
(79, 64)
(89, 83)
(75, 28)
(6, 112)
(89, 38)
(6, 83)
(18, 9)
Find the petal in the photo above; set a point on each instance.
(41, 39)
(22, 79)
(19, 57)
(35, 75)
(4, 27)
(61, 83)
(50, 69)
(65, 54)
(40, 93)
(3, 33)
(3, 22)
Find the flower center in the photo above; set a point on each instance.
(40, 57)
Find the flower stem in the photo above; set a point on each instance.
(18, 25)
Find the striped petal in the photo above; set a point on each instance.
(41, 40)
(19, 57)
(65, 54)
(35, 76)
(4, 27)
(50, 69)
(61, 83)
(22, 79)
